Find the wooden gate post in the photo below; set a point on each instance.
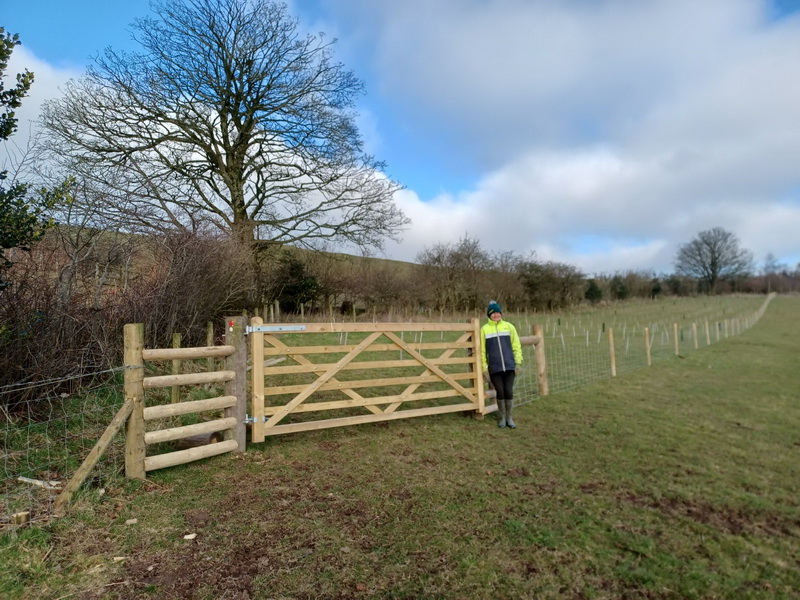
(541, 365)
(237, 362)
(134, 393)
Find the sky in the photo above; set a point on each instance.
(599, 133)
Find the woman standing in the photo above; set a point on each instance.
(501, 353)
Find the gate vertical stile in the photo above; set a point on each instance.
(476, 355)
(257, 375)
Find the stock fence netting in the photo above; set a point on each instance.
(46, 432)
(578, 345)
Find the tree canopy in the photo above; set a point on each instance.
(713, 255)
(227, 114)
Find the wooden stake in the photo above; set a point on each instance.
(91, 459)
(647, 346)
(176, 368)
(210, 366)
(541, 364)
(477, 366)
(612, 352)
(677, 341)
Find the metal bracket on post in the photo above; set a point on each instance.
(274, 328)
(248, 420)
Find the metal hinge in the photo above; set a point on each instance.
(248, 420)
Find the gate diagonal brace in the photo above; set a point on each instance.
(433, 368)
(327, 375)
(276, 343)
(414, 386)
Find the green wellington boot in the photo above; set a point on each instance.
(501, 412)
(510, 409)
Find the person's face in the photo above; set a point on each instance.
(496, 316)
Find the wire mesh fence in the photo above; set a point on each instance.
(592, 345)
(45, 437)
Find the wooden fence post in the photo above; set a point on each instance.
(134, 393)
(176, 369)
(211, 364)
(541, 365)
(237, 362)
(694, 336)
(612, 352)
(647, 346)
(677, 341)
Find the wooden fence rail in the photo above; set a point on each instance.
(231, 424)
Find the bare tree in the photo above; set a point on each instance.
(228, 115)
(713, 255)
(551, 285)
(453, 272)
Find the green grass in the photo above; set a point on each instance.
(675, 481)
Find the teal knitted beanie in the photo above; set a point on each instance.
(493, 307)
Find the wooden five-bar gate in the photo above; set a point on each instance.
(321, 375)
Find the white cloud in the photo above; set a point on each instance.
(46, 83)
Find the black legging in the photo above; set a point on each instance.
(503, 382)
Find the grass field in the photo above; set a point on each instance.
(675, 481)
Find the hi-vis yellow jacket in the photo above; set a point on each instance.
(501, 349)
